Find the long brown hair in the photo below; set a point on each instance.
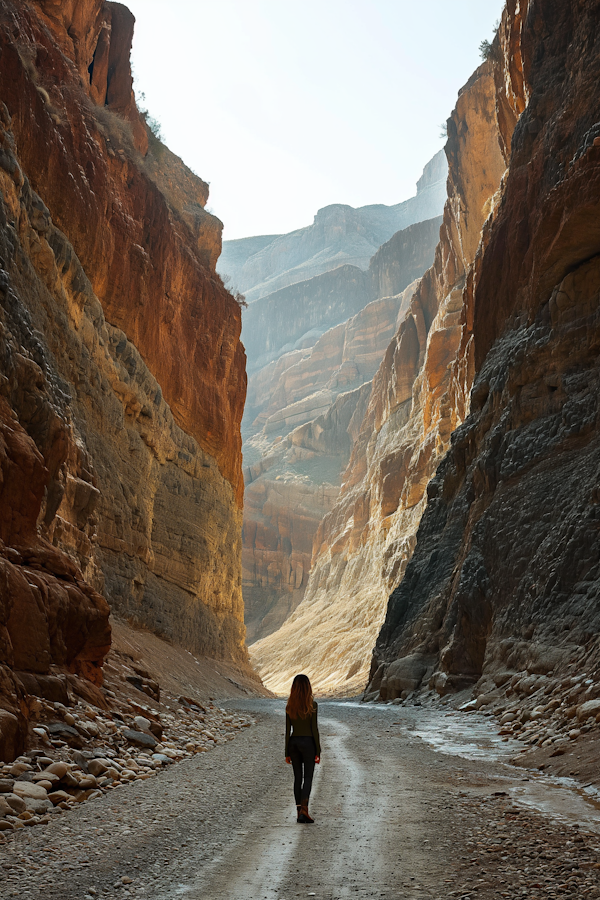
(300, 704)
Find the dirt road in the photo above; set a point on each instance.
(394, 819)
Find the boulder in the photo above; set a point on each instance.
(142, 724)
(16, 803)
(87, 782)
(66, 733)
(403, 674)
(19, 768)
(57, 797)
(587, 709)
(139, 738)
(28, 790)
(98, 766)
(59, 769)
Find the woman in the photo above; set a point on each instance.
(302, 744)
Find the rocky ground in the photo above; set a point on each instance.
(394, 818)
(156, 708)
(556, 720)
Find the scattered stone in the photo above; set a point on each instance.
(19, 768)
(139, 738)
(98, 766)
(587, 709)
(16, 803)
(48, 785)
(31, 791)
(67, 732)
(142, 724)
(59, 769)
(57, 797)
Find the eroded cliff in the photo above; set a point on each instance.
(122, 377)
(304, 409)
(362, 546)
(502, 590)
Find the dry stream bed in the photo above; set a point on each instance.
(409, 802)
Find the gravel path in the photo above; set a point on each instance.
(394, 819)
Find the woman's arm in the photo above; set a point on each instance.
(315, 733)
(288, 731)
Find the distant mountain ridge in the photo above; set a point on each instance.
(339, 235)
(294, 317)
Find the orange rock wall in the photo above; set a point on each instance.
(166, 297)
(122, 375)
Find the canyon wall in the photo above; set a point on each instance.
(303, 412)
(363, 544)
(122, 376)
(294, 462)
(339, 235)
(505, 577)
(295, 317)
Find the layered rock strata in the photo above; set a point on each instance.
(121, 372)
(362, 546)
(505, 577)
(339, 235)
(303, 412)
(293, 318)
(299, 456)
(304, 384)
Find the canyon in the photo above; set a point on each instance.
(304, 406)
(461, 544)
(419, 459)
(364, 540)
(414, 521)
(122, 374)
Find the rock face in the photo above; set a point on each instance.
(122, 375)
(303, 385)
(303, 413)
(339, 235)
(306, 397)
(404, 258)
(294, 481)
(505, 576)
(293, 318)
(362, 546)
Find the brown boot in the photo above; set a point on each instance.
(304, 816)
(299, 814)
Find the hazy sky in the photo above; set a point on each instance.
(287, 106)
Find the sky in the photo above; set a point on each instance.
(286, 106)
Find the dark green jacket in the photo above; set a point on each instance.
(302, 728)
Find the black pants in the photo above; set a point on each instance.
(302, 751)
